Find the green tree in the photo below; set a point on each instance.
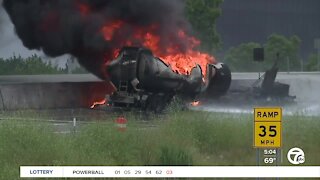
(17, 65)
(202, 15)
(312, 64)
(240, 58)
(288, 49)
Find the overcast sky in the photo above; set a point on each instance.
(254, 20)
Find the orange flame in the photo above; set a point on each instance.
(179, 61)
(109, 30)
(195, 103)
(98, 103)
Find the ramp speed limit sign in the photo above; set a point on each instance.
(267, 127)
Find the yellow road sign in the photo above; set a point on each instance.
(267, 114)
(267, 127)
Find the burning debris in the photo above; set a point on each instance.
(102, 102)
(195, 103)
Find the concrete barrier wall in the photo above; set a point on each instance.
(52, 95)
(306, 90)
(47, 95)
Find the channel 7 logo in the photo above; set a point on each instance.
(296, 156)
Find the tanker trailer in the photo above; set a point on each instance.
(145, 81)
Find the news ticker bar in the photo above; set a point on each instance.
(167, 171)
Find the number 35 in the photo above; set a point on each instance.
(272, 131)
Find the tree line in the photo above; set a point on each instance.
(240, 58)
(17, 65)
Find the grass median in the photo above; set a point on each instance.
(179, 138)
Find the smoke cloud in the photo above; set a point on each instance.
(75, 26)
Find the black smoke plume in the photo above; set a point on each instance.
(74, 26)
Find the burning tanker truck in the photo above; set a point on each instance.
(93, 31)
(145, 81)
